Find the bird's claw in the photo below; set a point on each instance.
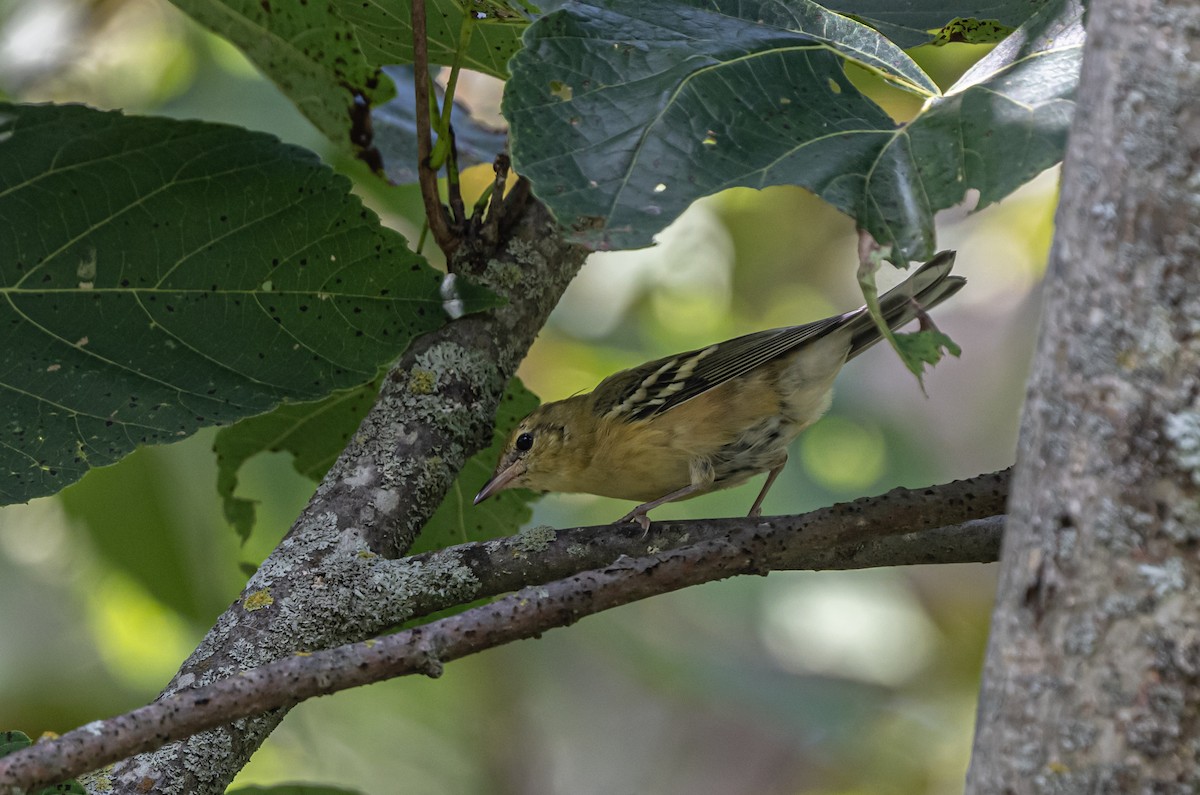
(639, 518)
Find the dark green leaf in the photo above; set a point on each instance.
(161, 276)
(1003, 123)
(622, 115)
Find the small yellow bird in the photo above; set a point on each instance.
(707, 419)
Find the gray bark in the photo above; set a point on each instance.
(1090, 683)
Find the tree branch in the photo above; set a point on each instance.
(939, 524)
(371, 504)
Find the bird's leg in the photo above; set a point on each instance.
(756, 508)
(638, 514)
(702, 474)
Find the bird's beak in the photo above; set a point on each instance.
(500, 481)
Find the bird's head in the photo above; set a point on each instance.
(537, 453)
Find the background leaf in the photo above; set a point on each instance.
(14, 741)
(384, 30)
(456, 520)
(1004, 122)
(315, 433)
(308, 49)
(160, 276)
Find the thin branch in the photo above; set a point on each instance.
(870, 532)
(506, 564)
(439, 224)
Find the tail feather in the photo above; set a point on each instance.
(926, 288)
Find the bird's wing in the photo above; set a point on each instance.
(657, 386)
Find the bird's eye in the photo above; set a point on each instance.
(524, 441)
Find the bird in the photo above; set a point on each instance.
(708, 419)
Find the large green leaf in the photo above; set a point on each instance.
(1004, 122)
(159, 276)
(623, 114)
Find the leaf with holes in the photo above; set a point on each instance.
(159, 276)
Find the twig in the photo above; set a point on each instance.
(439, 225)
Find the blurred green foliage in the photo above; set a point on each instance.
(822, 684)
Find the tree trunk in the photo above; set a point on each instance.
(1090, 683)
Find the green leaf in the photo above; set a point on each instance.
(309, 50)
(915, 22)
(159, 276)
(919, 348)
(971, 31)
(915, 349)
(456, 520)
(314, 433)
(327, 57)
(1003, 123)
(13, 741)
(623, 115)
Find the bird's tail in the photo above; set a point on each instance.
(926, 288)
